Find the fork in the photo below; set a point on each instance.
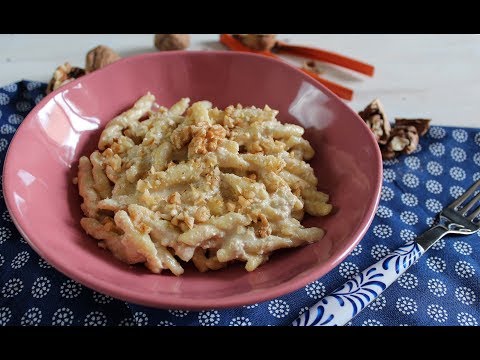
(347, 301)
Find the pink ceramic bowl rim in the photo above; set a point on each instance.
(171, 301)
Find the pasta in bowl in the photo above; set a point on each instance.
(199, 183)
(67, 124)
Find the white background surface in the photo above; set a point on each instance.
(435, 76)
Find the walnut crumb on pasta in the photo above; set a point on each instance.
(199, 183)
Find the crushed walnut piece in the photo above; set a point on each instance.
(166, 42)
(99, 57)
(203, 139)
(422, 125)
(230, 206)
(263, 227)
(244, 202)
(174, 198)
(189, 221)
(403, 139)
(63, 75)
(374, 116)
(202, 214)
(261, 42)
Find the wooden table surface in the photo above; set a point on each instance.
(434, 76)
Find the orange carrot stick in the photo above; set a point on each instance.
(327, 56)
(339, 90)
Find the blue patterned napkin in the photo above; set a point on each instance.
(443, 288)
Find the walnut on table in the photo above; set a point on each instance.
(166, 42)
(96, 58)
(376, 119)
(63, 75)
(99, 57)
(403, 139)
(262, 42)
(422, 125)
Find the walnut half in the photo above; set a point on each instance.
(374, 116)
(63, 75)
(422, 125)
(172, 41)
(403, 139)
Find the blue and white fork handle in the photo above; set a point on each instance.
(351, 298)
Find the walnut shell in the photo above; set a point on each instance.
(387, 154)
(422, 125)
(63, 75)
(99, 57)
(172, 41)
(403, 139)
(376, 119)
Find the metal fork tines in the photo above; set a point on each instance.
(463, 211)
(454, 219)
(458, 219)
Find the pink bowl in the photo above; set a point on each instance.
(43, 157)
